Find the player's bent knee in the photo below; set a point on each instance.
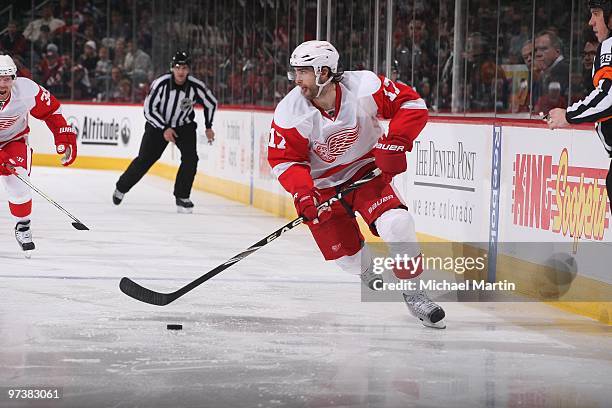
(357, 263)
(396, 225)
(18, 191)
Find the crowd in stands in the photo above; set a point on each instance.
(78, 52)
(70, 54)
(524, 69)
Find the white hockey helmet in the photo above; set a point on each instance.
(7, 66)
(315, 54)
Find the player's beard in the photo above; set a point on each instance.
(310, 92)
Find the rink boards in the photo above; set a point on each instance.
(480, 181)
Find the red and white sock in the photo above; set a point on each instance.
(21, 212)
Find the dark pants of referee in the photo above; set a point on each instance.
(151, 149)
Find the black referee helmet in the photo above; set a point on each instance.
(605, 5)
(181, 58)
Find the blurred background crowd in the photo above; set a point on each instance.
(480, 57)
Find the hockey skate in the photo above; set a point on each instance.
(184, 206)
(23, 234)
(421, 307)
(370, 279)
(117, 197)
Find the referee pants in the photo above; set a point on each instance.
(151, 148)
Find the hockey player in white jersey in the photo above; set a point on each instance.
(325, 135)
(18, 98)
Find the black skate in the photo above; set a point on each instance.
(117, 197)
(23, 234)
(421, 307)
(184, 206)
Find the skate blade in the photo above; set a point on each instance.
(439, 325)
(183, 210)
(27, 254)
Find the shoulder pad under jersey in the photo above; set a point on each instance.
(361, 83)
(295, 111)
(26, 87)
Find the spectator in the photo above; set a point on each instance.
(89, 34)
(22, 70)
(522, 101)
(553, 99)
(63, 10)
(114, 92)
(119, 53)
(118, 27)
(445, 99)
(89, 58)
(414, 56)
(280, 88)
(144, 37)
(396, 74)
(86, 21)
(588, 56)
(425, 91)
(125, 91)
(549, 56)
(49, 68)
(518, 41)
(137, 63)
(482, 73)
(44, 39)
(527, 55)
(77, 78)
(578, 91)
(103, 71)
(13, 42)
(32, 31)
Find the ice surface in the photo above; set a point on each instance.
(281, 328)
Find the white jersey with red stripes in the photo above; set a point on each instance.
(27, 97)
(334, 148)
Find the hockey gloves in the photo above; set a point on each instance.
(65, 143)
(306, 203)
(390, 158)
(5, 161)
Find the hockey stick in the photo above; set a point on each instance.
(134, 290)
(76, 224)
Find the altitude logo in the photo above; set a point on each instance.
(96, 131)
(564, 199)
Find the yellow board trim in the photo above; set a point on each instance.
(512, 269)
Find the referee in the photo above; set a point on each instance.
(168, 110)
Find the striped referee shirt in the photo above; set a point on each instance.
(169, 105)
(597, 106)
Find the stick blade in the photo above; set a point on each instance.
(80, 226)
(135, 291)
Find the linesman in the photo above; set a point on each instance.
(170, 117)
(597, 106)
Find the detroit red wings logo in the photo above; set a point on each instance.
(336, 144)
(8, 121)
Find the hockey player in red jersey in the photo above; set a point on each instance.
(325, 135)
(18, 97)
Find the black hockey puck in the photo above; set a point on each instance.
(174, 327)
